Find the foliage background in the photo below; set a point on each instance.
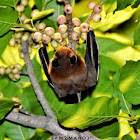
(112, 112)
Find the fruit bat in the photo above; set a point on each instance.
(68, 72)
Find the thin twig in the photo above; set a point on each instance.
(23, 73)
(38, 91)
(70, 26)
(92, 14)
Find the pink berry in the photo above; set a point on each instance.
(20, 8)
(37, 36)
(23, 17)
(62, 29)
(49, 31)
(84, 27)
(68, 9)
(61, 20)
(41, 26)
(75, 36)
(96, 18)
(91, 5)
(57, 36)
(46, 39)
(24, 2)
(97, 8)
(77, 30)
(76, 22)
(34, 12)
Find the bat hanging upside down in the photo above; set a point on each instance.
(68, 72)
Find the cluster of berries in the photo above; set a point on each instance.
(21, 7)
(12, 71)
(97, 8)
(47, 34)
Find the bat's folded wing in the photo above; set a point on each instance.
(45, 62)
(92, 57)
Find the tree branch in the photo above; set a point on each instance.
(38, 91)
(49, 124)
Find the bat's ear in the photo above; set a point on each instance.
(92, 53)
(44, 58)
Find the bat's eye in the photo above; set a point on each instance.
(73, 59)
(55, 63)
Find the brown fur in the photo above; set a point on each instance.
(68, 78)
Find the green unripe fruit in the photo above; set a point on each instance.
(15, 70)
(11, 75)
(8, 70)
(12, 42)
(19, 67)
(2, 70)
(54, 44)
(16, 77)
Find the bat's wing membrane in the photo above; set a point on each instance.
(92, 57)
(45, 62)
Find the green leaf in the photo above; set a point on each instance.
(137, 125)
(112, 138)
(5, 106)
(124, 104)
(7, 20)
(129, 82)
(107, 129)
(136, 4)
(17, 132)
(137, 33)
(11, 3)
(4, 41)
(58, 10)
(9, 88)
(90, 112)
(28, 11)
(37, 69)
(127, 137)
(38, 4)
(136, 110)
(110, 5)
(121, 4)
(104, 86)
(30, 102)
(2, 135)
(41, 135)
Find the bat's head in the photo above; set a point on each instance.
(66, 63)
